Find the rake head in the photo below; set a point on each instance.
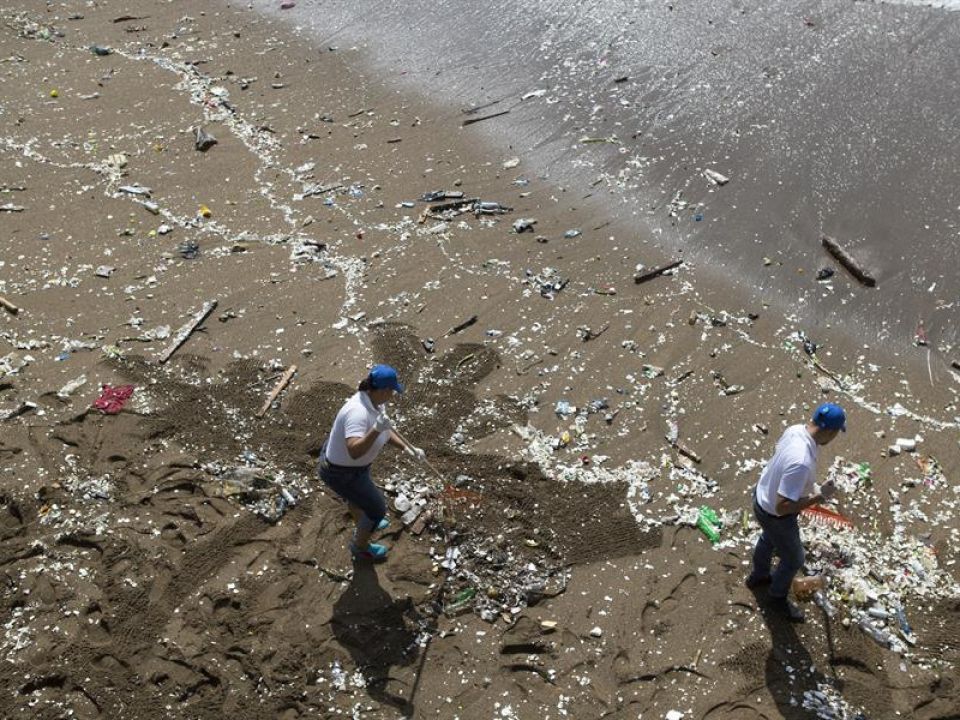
(819, 515)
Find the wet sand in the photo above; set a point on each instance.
(833, 118)
(141, 581)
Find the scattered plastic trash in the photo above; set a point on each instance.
(716, 178)
(71, 387)
(438, 195)
(524, 224)
(112, 399)
(709, 523)
(188, 249)
(203, 140)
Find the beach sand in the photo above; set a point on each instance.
(144, 578)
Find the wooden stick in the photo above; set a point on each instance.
(471, 121)
(656, 272)
(183, 333)
(462, 326)
(24, 407)
(9, 306)
(848, 262)
(277, 389)
(589, 334)
(687, 452)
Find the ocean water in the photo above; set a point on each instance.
(836, 118)
(941, 4)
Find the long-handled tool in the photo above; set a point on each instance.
(425, 461)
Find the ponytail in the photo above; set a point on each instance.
(365, 385)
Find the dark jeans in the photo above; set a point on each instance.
(355, 485)
(780, 535)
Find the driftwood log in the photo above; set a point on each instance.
(848, 262)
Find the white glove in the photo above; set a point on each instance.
(383, 423)
(416, 453)
(828, 490)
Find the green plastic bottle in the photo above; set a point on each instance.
(709, 523)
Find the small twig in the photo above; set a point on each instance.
(819, 366)
(687, 452)
(462, 326)
(9, 306)
(656, 272)
(478, 108)
(333, 575)
(589, 334)
(320, 190)
(471, 121)
(529, 366)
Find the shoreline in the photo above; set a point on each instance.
(785, 136)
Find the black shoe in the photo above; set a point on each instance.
(753, 583)
(788, 609)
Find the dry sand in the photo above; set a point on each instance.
(139, 583)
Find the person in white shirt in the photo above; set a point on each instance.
(359, 433)
(787, 486)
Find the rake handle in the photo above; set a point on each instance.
(425, 461)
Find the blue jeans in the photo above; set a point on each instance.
(355, 485)
(780, 535)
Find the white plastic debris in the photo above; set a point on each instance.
(714, 177)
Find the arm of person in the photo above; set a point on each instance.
(396, 441)
(789, 501)
(358, 446)
(786, 506)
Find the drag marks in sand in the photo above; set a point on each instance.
(135, 588)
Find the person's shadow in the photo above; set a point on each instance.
(787, 686)
(379, 633)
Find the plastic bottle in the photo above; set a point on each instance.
(820, 598)
(707, 521)
(878, 635)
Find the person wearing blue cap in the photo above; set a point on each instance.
(786, 487)
(359, 433)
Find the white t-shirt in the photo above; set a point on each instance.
(791, 471)
(355, 419)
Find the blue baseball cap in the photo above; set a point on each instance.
(830, 416)
(384, 376)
